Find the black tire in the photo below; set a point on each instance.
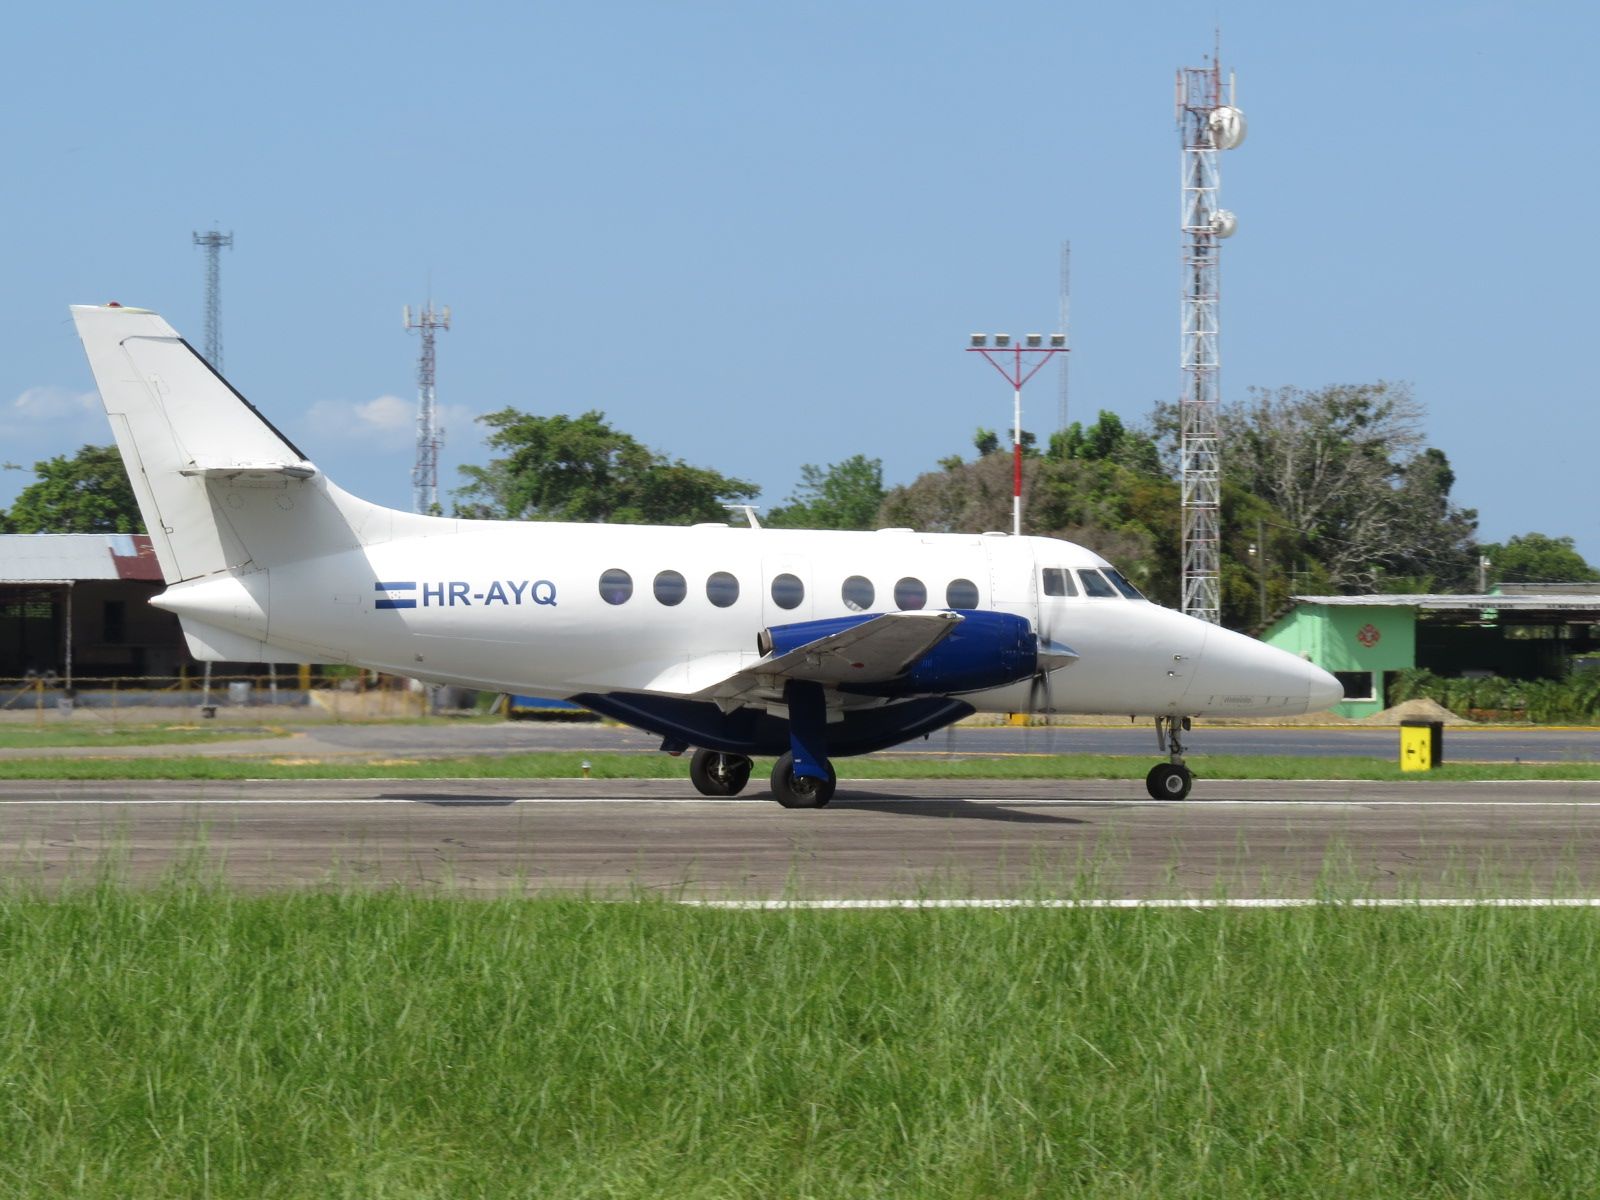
(801, 791)
(1168, 781)
(717, 774)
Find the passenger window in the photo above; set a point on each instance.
(858, 593)
(788, 591)
(1120, 582)
(616, 585)
(962, 593)
(1058, 582)
(670, 588)
(910, 593)
(722, 589)
(1094, 584)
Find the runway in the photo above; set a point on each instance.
(884, 839)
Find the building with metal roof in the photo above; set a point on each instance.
(77, 604)
(1521, 631)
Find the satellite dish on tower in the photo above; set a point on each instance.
(1227, 127)
(1223, 223)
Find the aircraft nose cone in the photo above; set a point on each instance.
(1323, 689)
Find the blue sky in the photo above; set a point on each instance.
(757, 235)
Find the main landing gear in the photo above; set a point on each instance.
(1170, 780)
(717, 774)
(801, 791)
(802, 777)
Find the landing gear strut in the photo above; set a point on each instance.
(803, 777)
(1170, 780)
(717, 774)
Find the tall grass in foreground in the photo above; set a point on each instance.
(193, 1041)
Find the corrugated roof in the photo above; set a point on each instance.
(34, 557)
(1565, 602)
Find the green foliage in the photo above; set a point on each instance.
(87, 492)
(562, 468)
(1575, 699)
(1108, 440)
(1347, 469)
(1537, 558)
(846, 495)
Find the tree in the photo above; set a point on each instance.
(847, 495)
(561, 468)
(1346, 467)
(1536, 558)
(88, 492)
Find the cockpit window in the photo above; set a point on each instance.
(1094, 584)
(1058, 582)
(1120, 582)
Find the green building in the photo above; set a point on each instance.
(1521, 631)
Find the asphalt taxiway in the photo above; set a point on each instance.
(879, 838)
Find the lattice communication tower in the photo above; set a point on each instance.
(214, 241)
(425, 472)
(1208, 126)
(1065, 326)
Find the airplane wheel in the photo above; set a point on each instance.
(716, 774)
(801, 791)
(1168, 781)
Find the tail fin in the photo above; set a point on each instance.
(178, 425)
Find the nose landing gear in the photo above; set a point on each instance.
(1170, 780)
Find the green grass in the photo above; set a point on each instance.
(190, 1041)
(563, 765)
(40, 736)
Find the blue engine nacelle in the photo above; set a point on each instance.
(985, 650)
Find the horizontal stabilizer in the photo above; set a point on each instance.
(249, 471)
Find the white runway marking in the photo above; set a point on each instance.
(1194, 903)
(845, 803)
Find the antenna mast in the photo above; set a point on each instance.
(214, 241)
(1065, 327)
(1208, 125)
(425, 472)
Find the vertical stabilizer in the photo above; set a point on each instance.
(180, 427)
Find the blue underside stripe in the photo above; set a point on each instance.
(387, 603)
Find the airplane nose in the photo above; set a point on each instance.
(1323, 689)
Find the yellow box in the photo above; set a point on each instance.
(1421, 745)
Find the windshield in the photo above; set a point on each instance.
(1120, 582)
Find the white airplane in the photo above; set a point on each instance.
(738, 641)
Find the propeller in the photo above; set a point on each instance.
(1050, 656)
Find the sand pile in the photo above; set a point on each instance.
(1415, 710)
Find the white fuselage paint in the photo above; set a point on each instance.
(516, 606)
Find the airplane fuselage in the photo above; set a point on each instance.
(562, 610)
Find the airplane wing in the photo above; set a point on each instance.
(876, 650)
